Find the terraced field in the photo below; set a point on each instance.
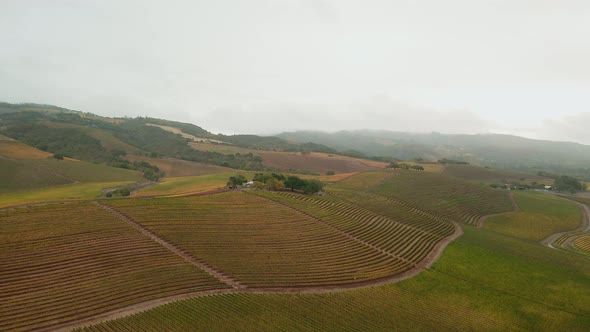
(443, 195)
(262, 243)
(64, 262)
(410, 238)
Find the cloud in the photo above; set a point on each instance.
(378, 112)
(575, 128)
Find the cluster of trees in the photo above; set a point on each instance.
(277, 182)
(396, 165)
(569, 184)
(119, 192)
(150, 172)
(452, 161)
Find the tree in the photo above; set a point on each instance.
(58, 156)
(274, 185)
(294, 183)
(312, 186)
(235, 181)
(330, 173)
(393, 165)
(568, 184)
(416, 167)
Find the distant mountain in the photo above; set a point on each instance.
(502, 151)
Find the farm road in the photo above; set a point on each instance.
(426, 263)
(585, 227)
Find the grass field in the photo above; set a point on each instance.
(70, 261)
(20, 175)
(484, 282)
(474, 173)
(189, 184)
(173, 167)
(70, 192)
(541, 215)
(259, 242)
(16, 150)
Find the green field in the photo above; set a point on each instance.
(70, 192)
(19, 175)
(484, 282)
(541, 215)
(189, 184)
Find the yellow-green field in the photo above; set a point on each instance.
(189, 184)
(71, 192)
(17, 150)
(541, 215)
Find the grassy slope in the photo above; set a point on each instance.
(78, 191)
(173, 167)
(189, 184)
(484, 281)
(540, 216)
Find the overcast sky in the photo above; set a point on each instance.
(453, 66)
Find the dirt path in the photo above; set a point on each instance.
(425, 264)
(176, 250)
(585, 227)
(515, 205)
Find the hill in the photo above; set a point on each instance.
(25, 168)
(500, 151)
(103, 140)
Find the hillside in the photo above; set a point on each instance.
(501, 151)
(105, 140)
(25, 168)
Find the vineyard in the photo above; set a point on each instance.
(484, 282)
(583, 243)
(262, 243)
(410, 240)
(443, 195)
(71, 261)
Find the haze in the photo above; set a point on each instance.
(517, 67)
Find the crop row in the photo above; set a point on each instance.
(583, 243)
(447, 196)
(17, 175)
(398, 210)
(410, 243)
(259, 242)
(64, 262)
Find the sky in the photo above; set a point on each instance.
(455, 66)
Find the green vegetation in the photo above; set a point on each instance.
(71, 261)
(568, 184)
(78, 191)
(19, 175)
(189, 184)
(541, 215)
